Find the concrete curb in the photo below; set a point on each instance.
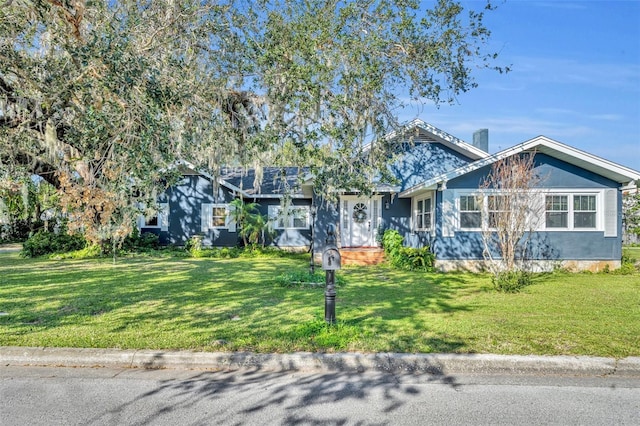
(434, 364)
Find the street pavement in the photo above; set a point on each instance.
(133, 396)
(433, 364)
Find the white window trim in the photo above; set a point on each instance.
(162, 214)
(414, 217)
(275, 213)
(570, 193)
(226, 215)
(540, 196)
(207, 222)
(459, 211)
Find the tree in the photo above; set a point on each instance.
(513, 209)
(25, 206)
(243, 214)
(100, 98)
(631, 214)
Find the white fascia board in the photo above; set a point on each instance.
(419, 189)
(582, 159)
(444, 137)
(585, 160)
(278, 196)
(452, 141)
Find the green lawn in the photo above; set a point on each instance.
(214, 305)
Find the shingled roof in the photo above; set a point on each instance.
(276, 181)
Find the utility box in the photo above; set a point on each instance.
(331, 259)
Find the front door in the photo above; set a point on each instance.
(360, 217)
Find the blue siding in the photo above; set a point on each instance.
(425, 160)
(185, 200)
(398, 216)
(553, 173)
(557, 245)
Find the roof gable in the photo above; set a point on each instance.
(419, 131)
(541, 144)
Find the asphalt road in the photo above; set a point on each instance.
(108, 396)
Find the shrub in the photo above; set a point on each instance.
(406, 257)
(17, 230)
(511, 281)
(140, 242)
(44, 242)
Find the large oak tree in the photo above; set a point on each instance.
(101, 97)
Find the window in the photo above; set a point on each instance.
(497, 209)
(584, 211)
(215, 216)
(556, 211)
(218, 217)
(423, 214)
(159, 220)
(581, 213)
(470, 213)
(294, 217)
(151, 222)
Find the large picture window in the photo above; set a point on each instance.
(550, 211)
(294, 217)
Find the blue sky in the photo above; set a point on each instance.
(575, 78)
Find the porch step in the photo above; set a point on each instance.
(362, 256)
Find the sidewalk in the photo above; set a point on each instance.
(434, 364)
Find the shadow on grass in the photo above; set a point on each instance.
(223, 305)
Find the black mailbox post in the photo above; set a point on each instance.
(330, 263)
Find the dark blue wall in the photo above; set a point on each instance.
(558, 245)
(422, 161)
(185, 200)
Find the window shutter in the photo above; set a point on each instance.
(376, 218)
(449, 213)
(206, 216)
(345, 216)
(229, 221)
(141, 219)
(611, 213)
(163, 216)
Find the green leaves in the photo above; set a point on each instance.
(128, 88)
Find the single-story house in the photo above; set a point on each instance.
(435, 201)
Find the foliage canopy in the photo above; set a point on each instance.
(101, 98)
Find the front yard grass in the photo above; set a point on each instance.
(240, 304)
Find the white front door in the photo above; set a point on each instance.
(360, 218)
